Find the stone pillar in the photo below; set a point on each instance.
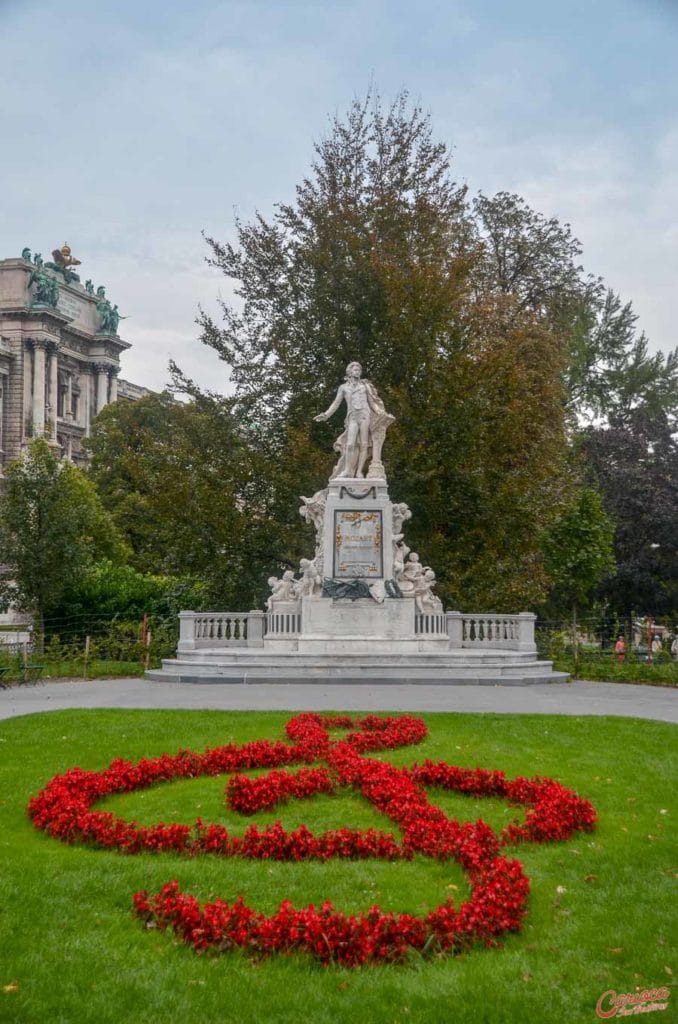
(53, 390)
(85, 398)
(526, 641)
(27, 424)
(38, 387)
(68, 397)
(113, 392)
(187, 631)
(455, 628)
(102, 385)
(255, 628)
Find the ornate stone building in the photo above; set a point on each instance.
(59, 354)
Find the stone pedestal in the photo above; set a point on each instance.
(358, 530)
(351, 603)
(341, 626)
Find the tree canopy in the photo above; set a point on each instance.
(517, 380)
(634, 461)
(380, 258)
(53, 526)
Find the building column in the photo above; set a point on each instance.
(53, 390)
(113, 372)
(3, 386)
(38, 387)
(102, 385)
(27, 421)
(68, 398)
(85, 401)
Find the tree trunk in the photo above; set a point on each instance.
(575, 645)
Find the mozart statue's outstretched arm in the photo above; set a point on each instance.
(333, 408)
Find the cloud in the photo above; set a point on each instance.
(129, 128)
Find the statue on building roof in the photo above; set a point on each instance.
(26, 254)
(64, 258)
(89, 287)
(110, 317)
(62, 261)
(46, 287)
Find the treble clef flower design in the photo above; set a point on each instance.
(499, 886)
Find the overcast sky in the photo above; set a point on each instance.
(129, 126)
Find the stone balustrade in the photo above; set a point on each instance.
(498, 632)
(199, 630)
(284, 620)
(430, 624)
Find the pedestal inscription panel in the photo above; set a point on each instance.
(358, 544)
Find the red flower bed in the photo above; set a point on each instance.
(499, 888)
(251, 795)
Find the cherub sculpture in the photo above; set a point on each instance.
(281, 590)
(425, 600)
(311, 581)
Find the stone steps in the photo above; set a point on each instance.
(259, 656)
(516, 669)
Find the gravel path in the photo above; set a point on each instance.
(577, 698)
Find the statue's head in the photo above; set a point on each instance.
(354, 370)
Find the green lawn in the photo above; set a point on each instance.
(71, 951)
(43, 670)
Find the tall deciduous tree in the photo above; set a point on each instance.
(610, 371)
(634, 460)
(579, 553)
(379, 259)
(52, 527)
(187, 493)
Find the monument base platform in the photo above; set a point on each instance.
(445, 668)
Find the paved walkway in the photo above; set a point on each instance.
(578, 698)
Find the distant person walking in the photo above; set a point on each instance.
(620, 648)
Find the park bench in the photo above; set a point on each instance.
(32, 673)
(29, 674)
